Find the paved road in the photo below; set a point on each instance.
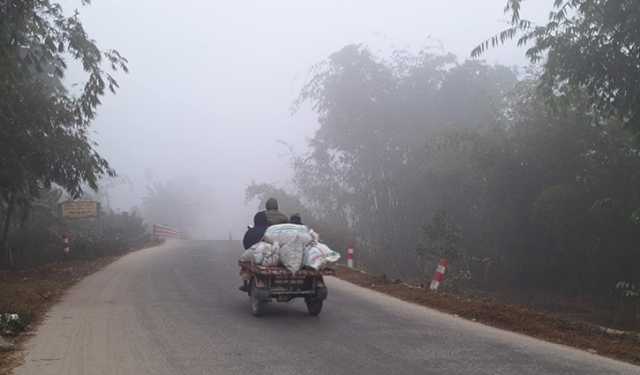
(176, 310)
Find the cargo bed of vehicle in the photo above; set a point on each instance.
(250, 267)
(267, 283)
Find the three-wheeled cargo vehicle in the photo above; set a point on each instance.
(267, 283)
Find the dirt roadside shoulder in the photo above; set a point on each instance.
(513, 318)
(31, 292)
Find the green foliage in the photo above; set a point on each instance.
(111, 234)
(366, 166)
(441, 238)
(635, 216)
(12, 324)
(44, 136)
(542, 195)
(587, 44)
(44, 126)
(37, 238)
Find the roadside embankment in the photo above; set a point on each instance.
(515, 318)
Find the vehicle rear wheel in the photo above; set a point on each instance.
(314, 306)
(257, 305)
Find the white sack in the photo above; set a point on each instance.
(270, 256)
(247, 256)
(285, 233)
(318, 255)
(291, 239)
(261, 253)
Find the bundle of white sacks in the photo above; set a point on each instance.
(293, 246)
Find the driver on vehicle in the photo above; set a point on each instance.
(274, 216)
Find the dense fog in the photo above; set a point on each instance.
(501, 139)
(211, 86)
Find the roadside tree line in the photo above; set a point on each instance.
(523, 180)
(46, 153)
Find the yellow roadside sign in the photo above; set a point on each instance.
(79, 209)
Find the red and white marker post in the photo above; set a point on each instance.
(66, 241)
(163, 231)
(350, 257)
(438, 277)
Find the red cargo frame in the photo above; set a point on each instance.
(279, 271)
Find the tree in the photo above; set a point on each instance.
(542, 194)
(44, 137)
(375, 117)
(440, 238)
(593, 45)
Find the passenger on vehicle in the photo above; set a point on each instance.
(254, 234)
(274, 216)
(296, 219)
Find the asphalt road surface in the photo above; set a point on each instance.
(176, 309)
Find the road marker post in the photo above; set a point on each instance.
(438, 276)
(67, 243)
(350, 257)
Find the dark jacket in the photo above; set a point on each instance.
(275, 217)
(254, 234)
(296, 219)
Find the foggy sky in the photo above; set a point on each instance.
(212, 82)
